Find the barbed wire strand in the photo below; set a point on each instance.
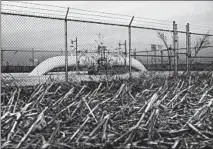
(27, 12)
(32, 8)
(91, 11)
(102, 12)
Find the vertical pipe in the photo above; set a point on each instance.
(66, 51)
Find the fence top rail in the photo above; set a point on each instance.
(30, 50)
(172, 49)
(96, 22)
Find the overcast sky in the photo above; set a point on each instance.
(28, 33)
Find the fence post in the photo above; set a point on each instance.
(189, 47)
(130, 61)
(146, 57)
(2, 57)
(76, 53)
(125, 53)
(33, 57)
(175, 44)
(76, 47)
(188, 50)
(66, 51)
(161, 52)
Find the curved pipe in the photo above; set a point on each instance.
(59, 61)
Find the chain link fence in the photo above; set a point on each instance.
(95, 39)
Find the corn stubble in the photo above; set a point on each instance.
(150, 112)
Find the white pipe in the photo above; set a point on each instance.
(59, 61)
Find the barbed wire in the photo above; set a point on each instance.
(196, 28)
(79, 18)
(181, 29)
(72, 13)
(94, 11)
(200, 26)
(152, 22)
(91, 19)
(28, 12)
(24, 2)
(33, 8)
(154, 26)
(97, 15)
(166, 22)
(52, 14)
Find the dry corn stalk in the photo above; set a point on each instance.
(151, 112)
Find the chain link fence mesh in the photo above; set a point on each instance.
(30, 39)
(151, 49)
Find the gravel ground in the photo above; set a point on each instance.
(23, 79)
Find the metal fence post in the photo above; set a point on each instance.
(130, 61)
(61, 52)
(147, 58)
(161, 52)
(125, 53)
(2, 57)
(188, 50)
(66, 51)
(189, 47)
(175, 44)
(76, 48)
(76, 52)
(33, 56)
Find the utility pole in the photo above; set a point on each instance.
(125, 53)
(130, 61)
(76, 52)
(175, 44)
(66, 51)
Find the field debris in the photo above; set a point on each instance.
(148, 112)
